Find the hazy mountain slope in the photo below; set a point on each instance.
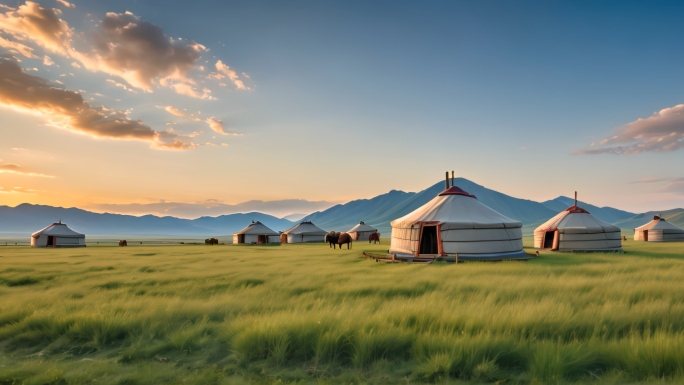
(607, 214)
(674, 216)
(380, 211)
(25, 219)
(344, 216)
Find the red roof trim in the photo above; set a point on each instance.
(453, 190)
(576, 209)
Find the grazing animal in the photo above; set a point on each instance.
(624, 238)
(537, 254)
(122, 242)
(332, 238)
(344, 238)
(375, 238)
(211, 241)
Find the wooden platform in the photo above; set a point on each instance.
(393, 258)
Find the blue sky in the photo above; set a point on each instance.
(348, 100)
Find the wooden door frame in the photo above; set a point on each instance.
(440, 248)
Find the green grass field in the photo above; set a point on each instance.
(307, 313)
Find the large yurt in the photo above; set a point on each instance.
(303, 232)
(575, 229)
(361, 232)
(659, 230)
(256, 233)
(453, 225)
(57, 235)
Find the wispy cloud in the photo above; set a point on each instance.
(17, 47)
(676, 186)
(182, 114)
(660, 132)
(219, 127)
(66, 109)
(18, 190)
(66, 3)
(226, 71)
(12, 168)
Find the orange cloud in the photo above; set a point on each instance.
(67, 109)
(18, 190)
(41, 25)
(660, 132)
(18, 47)
(230, 73)
(218, 126)
(182, 114)
(16, 169)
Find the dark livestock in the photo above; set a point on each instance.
(211, 241)
(375, 237)
(332, 238)
(344, 238)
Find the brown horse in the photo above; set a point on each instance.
(375, 238)
(122, 242)
(332, 238)
(344, 238)
(211, 241)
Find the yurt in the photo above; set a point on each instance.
(575, 229)
(659, 230)
(57, 235)
(303, 232)
(361, 232)
(256, 233)
(453, 225)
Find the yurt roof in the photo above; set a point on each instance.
(455, 208)
(659, 223)
(306, 228)
(58, 229)
(577, 220)
(361, 227)
(257, 228)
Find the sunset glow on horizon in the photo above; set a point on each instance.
(173, 108)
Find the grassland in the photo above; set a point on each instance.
(231, 314)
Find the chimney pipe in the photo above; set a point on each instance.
(446, 180)
(452, 177)
(575, 198)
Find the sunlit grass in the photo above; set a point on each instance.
(307, 313)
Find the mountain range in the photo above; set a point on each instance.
(378, 212)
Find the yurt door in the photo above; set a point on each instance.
(645, 236)
(428, 240)
(51, 240)
(261, 239)
(548, 239)
(283, 238)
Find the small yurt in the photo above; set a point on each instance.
(456, 224)
(361, 232)
(659, 230)
(256, 233)
(303, 232)
(57, 235)
(575, 229)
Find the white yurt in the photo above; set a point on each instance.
(575, 229)
(659, 230)
(256, 233)
(455, 223)
(57, 235)
(303, 232)
(361, 232)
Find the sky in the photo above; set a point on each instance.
(148, 106)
